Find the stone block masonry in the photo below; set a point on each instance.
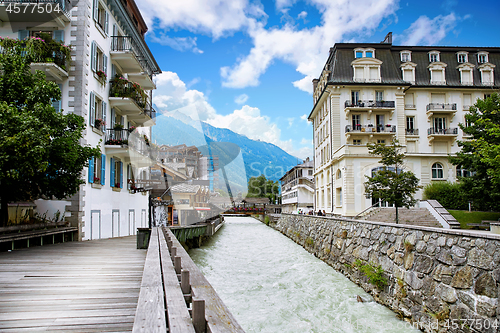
(440, 280)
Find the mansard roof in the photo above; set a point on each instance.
(342, 55)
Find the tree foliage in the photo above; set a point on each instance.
(261, 187)
(450, 195)
(40, 154)
(392, 183)
(480, 154)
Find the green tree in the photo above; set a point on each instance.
(392, 183)
(40, 154)
(261, 187)
(480, 154)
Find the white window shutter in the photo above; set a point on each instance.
(105, 64)
(92, 109)
(93, 56)
(104, 112)
(106, 23)
(96, 10)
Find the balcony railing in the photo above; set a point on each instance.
(412, 131)
(121, 87)
(39, 50)
(442, 131)
(370, 129)
(128, 44)
(441, 107)
(117, 136)
(369, 104)
(410, 106)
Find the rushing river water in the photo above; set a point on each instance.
(271, 284)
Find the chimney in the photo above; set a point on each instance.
(387, 39)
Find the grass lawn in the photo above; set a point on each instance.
(464, 217)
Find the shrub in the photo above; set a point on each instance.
(450, 195)
(309, 241)
(266, 220)
(375, 274)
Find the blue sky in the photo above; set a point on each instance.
(248, 65)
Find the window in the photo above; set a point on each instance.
(101, 16)
(359, 54)
(487, 96)
(462, 57)
(437, 171)
(309, 172)
(410, 125)
(99, 61)
(97, 166)
(461, 172)
(434, 56)
(439, 125)
(379, 96)
(364, 53)
(486, 75)
(116, 173)
(369, 54)
(354, 97)
(98, 110)
(130, 175)
(405, 56)
(482, 57)
(356, 122)
(339, 174)
(356, 142)
(381, 141)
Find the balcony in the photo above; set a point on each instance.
(442, 134)
(130, 147)
(46, 55)
(440, 108)
(369, 106)
(370, 130)
(132, 101)
(41, 11)
(126, 53)
(412, 132)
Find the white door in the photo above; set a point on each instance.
(95, 224)
(131, 222)
(116, 223)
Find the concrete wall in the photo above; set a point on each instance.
(435, 276)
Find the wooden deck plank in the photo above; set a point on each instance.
(90, 286)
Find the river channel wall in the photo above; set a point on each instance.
(438, 279)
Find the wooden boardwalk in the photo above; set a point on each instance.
(88, 286)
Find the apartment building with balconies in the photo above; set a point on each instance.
(374, 92)
(297, 188)
(109, 82)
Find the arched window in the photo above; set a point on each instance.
(461, 172)
(339, 174)
(437, 171)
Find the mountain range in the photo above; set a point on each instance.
(254, 157)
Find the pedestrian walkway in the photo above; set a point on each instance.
(90, 286)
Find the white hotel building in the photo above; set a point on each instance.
(107, 36)
(370, 93)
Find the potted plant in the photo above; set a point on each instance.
(101, 75)
(99, 123)
(97, 180)
(118, 127)
(131, 129)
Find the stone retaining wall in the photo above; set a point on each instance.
(441, 279)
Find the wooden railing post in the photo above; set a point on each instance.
(185, 286)
(173, 252)
(177, 264)
(199, 322)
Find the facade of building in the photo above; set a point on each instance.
(181, 158)
(297, 188)
(109, 82)
(369, 93)
(207, 170)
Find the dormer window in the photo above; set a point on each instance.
(405, 56)
(462, 57)
(434, 56)
(482, 57)
(408, 71)
(465, 70)
(486, 70)
(364, 53)
(437, 71)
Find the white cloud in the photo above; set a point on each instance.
(172, 97)
(302, 15)
(177, 43)
(212, 17)
(241, 99)
(290, 121)
(304, 118)
(306, 49)
(426, 31)
(305, 142)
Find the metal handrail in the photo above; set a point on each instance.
(369, 104)
(443, 131)
(442, 106)
(375, 204)
(129, 44)
(370, 129)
